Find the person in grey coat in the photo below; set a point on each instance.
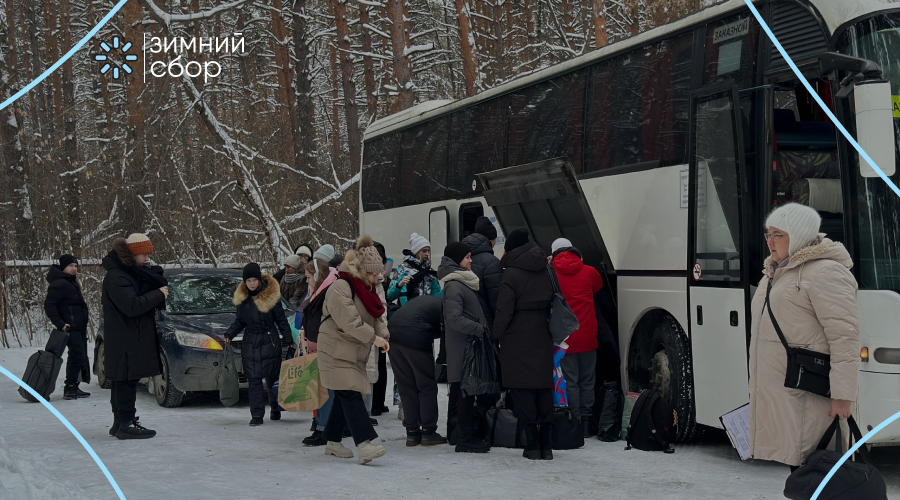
(463, 317)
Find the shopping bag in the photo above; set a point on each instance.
(559, 381)
(481, 368)
(227, 379)
(299, 387)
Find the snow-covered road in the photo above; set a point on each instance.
(206, 451)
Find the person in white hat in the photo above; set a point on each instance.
(812, 294)
(414, 275)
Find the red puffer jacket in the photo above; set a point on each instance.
(578, 283)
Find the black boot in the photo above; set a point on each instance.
(115, 426)
(274, 414)
(316, 439)
(413, 437)
(532, 443)
(430, 437)
(134, 431)
(587, 427)
(468, 442)
(256, 421)
(546, 437)
(73, 392)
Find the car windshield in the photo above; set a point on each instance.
(878, 39)
(201, 294)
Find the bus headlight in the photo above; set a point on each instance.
(197, 340)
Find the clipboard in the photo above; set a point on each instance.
(737, 426)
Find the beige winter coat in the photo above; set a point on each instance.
(345, 339)
(813, 299)
(372, 362)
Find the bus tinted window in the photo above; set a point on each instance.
(639, 106)
(546, 121)
(380, 183)
(423, 167)
(731, 51)
(477, 144)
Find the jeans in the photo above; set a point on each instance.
(368, 399)
(323, 412)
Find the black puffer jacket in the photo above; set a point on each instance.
(261, 318)
(487, 267)
(418, 323)
(130, 299)
(65, 303)
(523, 308)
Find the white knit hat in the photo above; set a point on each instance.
(560, 243)
(800, 222)
(417, 243)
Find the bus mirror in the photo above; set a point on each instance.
(875, 126)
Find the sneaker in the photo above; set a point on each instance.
(368, 452)
(274, 414)
(81, 394)
(413, 437)
(374, 422)
(316, 439)
(134, 431)
(336, 449)
(256, 421)
(430, 437)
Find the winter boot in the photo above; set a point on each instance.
(413, 437)
(467, 442)
(336, 449)
(73, 392)
(546, 438)
(532, 443)
(587, 427)
(316, 439)
(115, 426)
(368, 452)
(274, 414)
(256, 421)
(430, 437)
(134, 431)
(373, 422)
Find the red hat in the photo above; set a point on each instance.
(139, 244)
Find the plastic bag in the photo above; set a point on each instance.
(227, 379)
(630, 398)
(480, 369)
(610, 423)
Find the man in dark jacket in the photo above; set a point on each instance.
(67, 310)
(132, 292)
(413, 330)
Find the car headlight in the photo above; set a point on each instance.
(197, 340)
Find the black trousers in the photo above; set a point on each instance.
(380, 389)
(122, 398)
(349, 410)
(259, 396)
(414, 373)
(486, 401)
(532, 406)
(460, 406)
(77, 348)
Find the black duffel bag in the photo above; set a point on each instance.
(567, 431)
(852, 481)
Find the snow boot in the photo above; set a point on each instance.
(587, 427)
(468, 442)
(430, 437)
(115, 426)
(256, 421)
(532, 443)
(546, 438)
(316, 439)
(73, 392)
(413, 437)
(368, 452)
(274, 414)
(134, 431)
(336, 449)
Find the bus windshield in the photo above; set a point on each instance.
(878, 39)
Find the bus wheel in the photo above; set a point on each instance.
(672, 376)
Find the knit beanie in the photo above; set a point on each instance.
(486, 228)
(304, 250)
(66, 260)
(559, 244)
(139, 244)
(252, 270)
(325, 252)
(417, 243)
(369, 258)
(293, 261)
(516, 239)
(800, 222)
(457, 251)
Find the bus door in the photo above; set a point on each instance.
(438, 232)
(716, 267)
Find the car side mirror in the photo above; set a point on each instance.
(875, 126)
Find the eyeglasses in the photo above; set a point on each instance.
(773, 237)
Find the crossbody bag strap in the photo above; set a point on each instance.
(775, 322)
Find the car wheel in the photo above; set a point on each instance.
(167, 395)
(102, 381)
(671, 375)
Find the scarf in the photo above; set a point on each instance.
(369, 297)
(420, 284)
(468, 278)
(293, 278)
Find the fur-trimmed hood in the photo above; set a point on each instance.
(265, 300)
(824, 249)
(123, 252)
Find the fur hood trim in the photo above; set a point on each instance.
(353, 266)
(824, 249)
(124, 253)
(264, 300)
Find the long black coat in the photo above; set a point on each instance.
(130, 298)
(261, 318)
(487, 267)
(523, 308)
(65, 303)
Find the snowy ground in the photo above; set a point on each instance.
(206, 451)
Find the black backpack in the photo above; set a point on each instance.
(652, 425)
(312, 313)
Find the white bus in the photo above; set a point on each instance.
(659, 157)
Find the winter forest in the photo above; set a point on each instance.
(263, 157)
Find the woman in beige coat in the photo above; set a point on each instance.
(353, 318)
(813, 299)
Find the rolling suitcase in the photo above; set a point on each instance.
(40, 374)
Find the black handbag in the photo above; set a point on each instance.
(567, 431)
(853, 480)
(806, 370)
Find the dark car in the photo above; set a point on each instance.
(191, 334)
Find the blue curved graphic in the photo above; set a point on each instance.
(68, 425)
(819, 100)
(66, 57)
